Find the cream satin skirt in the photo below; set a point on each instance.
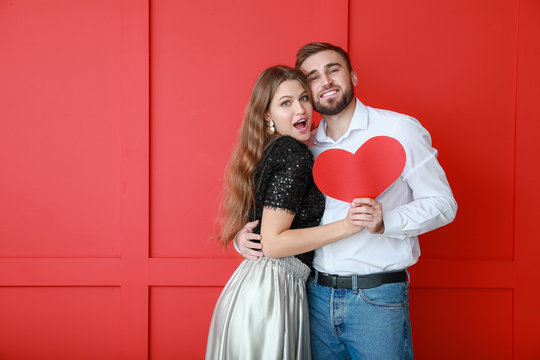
(262, 313)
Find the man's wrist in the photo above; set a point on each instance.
(380, 230)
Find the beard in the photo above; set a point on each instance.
(338, 106)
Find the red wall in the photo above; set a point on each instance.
(117, 119)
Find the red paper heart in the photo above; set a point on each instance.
(367, 173)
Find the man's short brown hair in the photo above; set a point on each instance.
(313, 48)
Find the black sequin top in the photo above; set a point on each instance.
(283, 179)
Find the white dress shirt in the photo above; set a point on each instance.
(420, 200)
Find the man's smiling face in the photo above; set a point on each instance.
(332, 84)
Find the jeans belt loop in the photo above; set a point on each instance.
(316, 276)
(355, 284)
(408, 276)
(334, 281)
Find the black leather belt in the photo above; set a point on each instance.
(362, 281)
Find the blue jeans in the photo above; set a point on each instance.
(360, 324)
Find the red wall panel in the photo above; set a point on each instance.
(462, 323)
(60, 128)
(527, 196)
(179, 320)
(452, 65)
(74, 183)
(465, 70)
(60, 323)
(200, 87)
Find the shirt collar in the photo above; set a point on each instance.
(359, 121)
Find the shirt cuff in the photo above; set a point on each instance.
(392, 224)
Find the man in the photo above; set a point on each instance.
(358, 292)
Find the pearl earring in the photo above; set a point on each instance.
(271, 129)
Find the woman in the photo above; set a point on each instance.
(262, 312)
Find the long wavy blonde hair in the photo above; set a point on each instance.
(238, 197)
